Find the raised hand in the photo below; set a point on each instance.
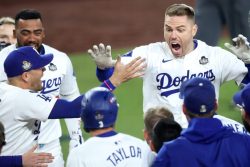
(241, 48)
(123, 73)
(102, 56)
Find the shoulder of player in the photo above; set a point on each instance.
(5, 51)
(215, 51)
(49, 49)
(152, 51)
(130, 138)
(202, 45)
(152, 46)
(224, 119)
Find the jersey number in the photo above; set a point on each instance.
(100, 124)
(37, 125)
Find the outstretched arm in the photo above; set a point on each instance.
(29, 159)
(32, 159)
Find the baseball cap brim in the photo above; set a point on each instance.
(237, 98)
(44, 60)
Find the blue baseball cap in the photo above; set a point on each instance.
(99, 109)
(24, 59)
(199, 95)
(242, 98)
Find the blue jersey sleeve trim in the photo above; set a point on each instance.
(108, 84)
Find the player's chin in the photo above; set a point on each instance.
(34, 45)
(38, 88)
(177, 52)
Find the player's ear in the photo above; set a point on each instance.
(216, 106)
(25, 76)
(14, 33)
(145, 134)
(194, 30)
(184, 109)
(43, 33)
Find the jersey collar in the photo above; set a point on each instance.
(107, 134)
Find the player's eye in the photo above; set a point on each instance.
(169, 29)
(38, 32)
(25, 32)
(181, 30)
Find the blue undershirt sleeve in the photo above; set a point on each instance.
(104, 74)
(66, 109)
(11, 161)
(246, 80)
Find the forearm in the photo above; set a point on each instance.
(74, 128)
(62, 109)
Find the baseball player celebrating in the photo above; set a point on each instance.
(21, 105)
(58, 80)
(177, 59)
(106, 147)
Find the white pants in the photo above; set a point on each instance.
(54, 148)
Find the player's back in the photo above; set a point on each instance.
(119, 150)
(206, 142)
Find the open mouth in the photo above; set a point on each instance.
(176, 46)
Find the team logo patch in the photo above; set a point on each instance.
(99, 116)
(203, 60)
(52, 67)
(203, 109)
(112, 100)
(26, 65)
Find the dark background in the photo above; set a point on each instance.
(75, 25)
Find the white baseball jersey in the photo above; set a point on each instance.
(165, 73)
(58, 80)
(238, 127)
(20, 112)
(119, 150)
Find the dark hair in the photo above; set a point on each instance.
(28, 14)
(246, 125)
(2, 136)
(165, 130)
(153, 115)
(180, 10)
(94, 129)
(206, 115)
